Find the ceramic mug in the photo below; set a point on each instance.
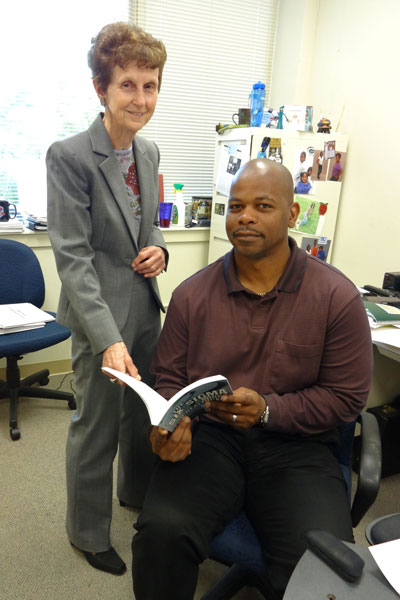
(5, 211)
(242, 116)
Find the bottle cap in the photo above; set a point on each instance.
(259, 86)
(178, 186)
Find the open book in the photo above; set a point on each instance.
(187, 402)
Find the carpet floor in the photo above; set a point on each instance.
(36, 559)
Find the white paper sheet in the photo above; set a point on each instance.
(387, 336)
(387, 557)
(234, 154)
(21, 315)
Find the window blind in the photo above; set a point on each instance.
(216, 51)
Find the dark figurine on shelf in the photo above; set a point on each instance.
(324, 126)
(281, 114)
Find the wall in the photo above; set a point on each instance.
(341, 57)
(188, 252)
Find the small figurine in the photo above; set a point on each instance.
(281, 114)
(324, 126)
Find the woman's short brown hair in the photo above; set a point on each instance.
(119, 44)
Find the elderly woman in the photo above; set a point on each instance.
(103, 225)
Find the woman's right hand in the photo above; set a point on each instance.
(175, 446)
(117, 357)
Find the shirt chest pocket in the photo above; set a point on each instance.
(294, 366)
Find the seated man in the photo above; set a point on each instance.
(291, 335)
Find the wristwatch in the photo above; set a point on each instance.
(265, 415)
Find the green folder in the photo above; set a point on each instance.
(382, 314)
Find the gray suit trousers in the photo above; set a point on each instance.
(109, 417)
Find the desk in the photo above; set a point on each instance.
(385, 384)
(387, 340)
(312, 579)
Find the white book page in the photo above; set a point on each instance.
(194, 385)
(156, 404)
(386, 556)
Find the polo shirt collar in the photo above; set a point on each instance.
(289, 281)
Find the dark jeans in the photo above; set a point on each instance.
(286, 485)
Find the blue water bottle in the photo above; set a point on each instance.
(257, 98)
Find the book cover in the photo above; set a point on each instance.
(187, 402)
(35, 226)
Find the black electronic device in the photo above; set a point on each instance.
(376, 291)
(342, 559)
(381, 296)
(391, 281)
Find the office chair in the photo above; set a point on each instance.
(237, 545)
(384, 529)
(22, 281)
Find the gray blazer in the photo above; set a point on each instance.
(91, 228)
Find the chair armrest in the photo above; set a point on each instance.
(369, 474)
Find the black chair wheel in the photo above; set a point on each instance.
(71, 404)
(44, 380)
(15, 433)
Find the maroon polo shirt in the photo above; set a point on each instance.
(305, 345)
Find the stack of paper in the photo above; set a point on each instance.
(387, 337)
(380, 315)
(22, 317)
(12, 225)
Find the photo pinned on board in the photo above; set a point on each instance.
(306, 185)
(329, 149)
(311, 216)
(318, 247)
(319, 167)
(336, 167)
(233, 165)
(302, 164)
(275, 150)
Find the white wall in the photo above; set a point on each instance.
(342, 56)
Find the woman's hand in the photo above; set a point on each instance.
(149, 262)
(117, 357)
(242, 409)
(175, 446)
